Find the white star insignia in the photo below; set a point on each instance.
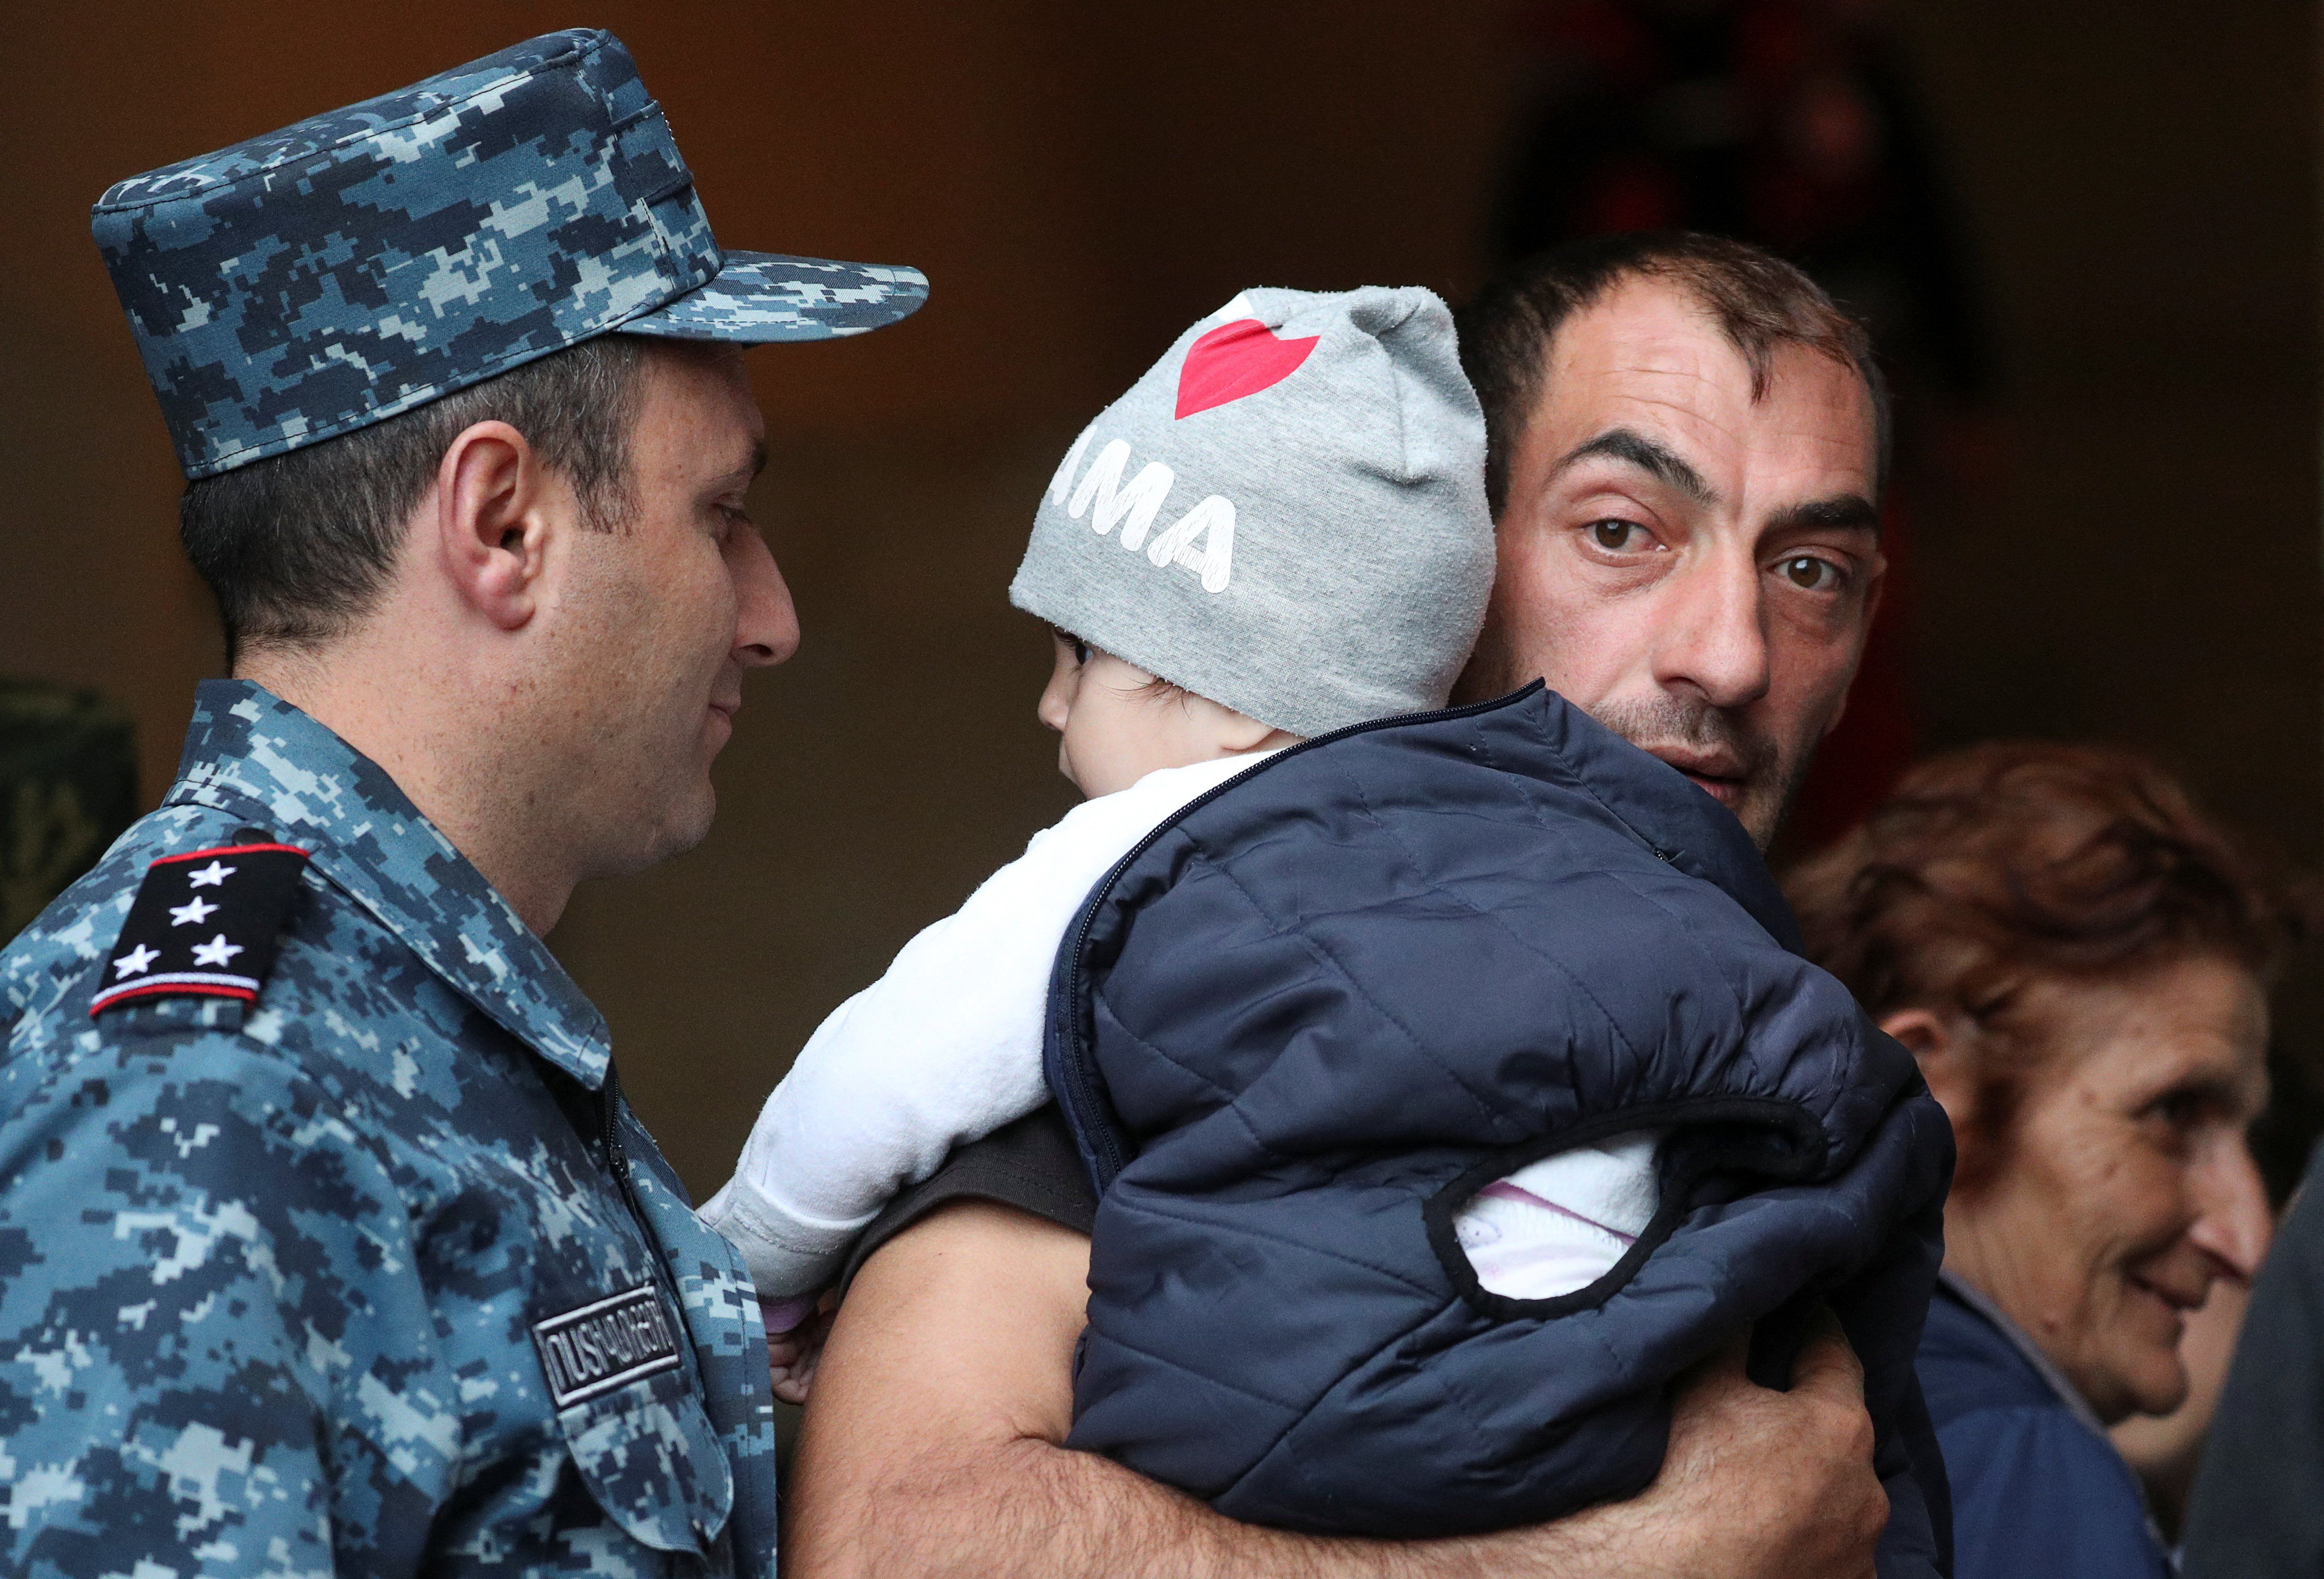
(136, 962)
(211, 876)
(217, 951)
(192, 912)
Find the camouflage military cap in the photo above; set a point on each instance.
(334, 273)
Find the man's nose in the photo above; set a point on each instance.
(2232, 1220)
(1714, 634)
(766, 622)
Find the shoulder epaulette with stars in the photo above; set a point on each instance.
(204, 925)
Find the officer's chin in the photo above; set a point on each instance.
(687, 826)
(658, 833)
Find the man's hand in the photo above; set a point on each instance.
(932, 1448)
(1759, 1484)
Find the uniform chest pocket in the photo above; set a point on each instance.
(639, 1437)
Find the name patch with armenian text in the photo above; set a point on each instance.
(607, 1344)
(204, 925)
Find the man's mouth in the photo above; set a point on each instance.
(1721, 776)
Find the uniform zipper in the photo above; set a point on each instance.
(617, 1160)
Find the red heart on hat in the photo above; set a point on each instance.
(1235, 360)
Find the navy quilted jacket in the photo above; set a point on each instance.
(1296, 1029)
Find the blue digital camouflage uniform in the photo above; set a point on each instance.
(296, 1286)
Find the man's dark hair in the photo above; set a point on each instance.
(298, 546)
(1759, 301)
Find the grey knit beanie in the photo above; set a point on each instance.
(1285, 515)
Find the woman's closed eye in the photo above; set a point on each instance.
(2179, 1114)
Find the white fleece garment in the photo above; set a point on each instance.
(1557, 1226)
(946, 1047)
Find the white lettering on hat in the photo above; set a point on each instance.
(1062, 484)
(1140, 502)
(1213, 520)
(1203, 539)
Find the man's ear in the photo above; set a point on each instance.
(1941, 1047)
(492, 521)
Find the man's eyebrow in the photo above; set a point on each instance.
(1656, 459)
(1845, 512)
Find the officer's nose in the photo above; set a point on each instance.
(766, 622)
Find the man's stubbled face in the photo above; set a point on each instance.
(1693, 567)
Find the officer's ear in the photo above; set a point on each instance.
(495, 503)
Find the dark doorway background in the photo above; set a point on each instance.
(2128, 548)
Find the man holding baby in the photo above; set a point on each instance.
(330, 1241)
(1685, 448)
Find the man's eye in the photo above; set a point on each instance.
(1810, 573)
(1617, 537)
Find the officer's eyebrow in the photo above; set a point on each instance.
(749, 471)
(1651, 456)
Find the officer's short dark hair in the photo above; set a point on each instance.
(298, 546)
(1759, 301)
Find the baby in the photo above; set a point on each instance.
(1361, 601)
(1445, 1076)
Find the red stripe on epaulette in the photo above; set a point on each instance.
(105, 1001)
(195, 855)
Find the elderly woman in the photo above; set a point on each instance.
(2080, 963)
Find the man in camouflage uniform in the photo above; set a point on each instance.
(326, 1241)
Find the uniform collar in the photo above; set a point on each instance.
(249, 753)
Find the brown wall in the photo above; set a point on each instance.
(1081, 182)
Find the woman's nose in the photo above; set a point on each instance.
(2232, 1222)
